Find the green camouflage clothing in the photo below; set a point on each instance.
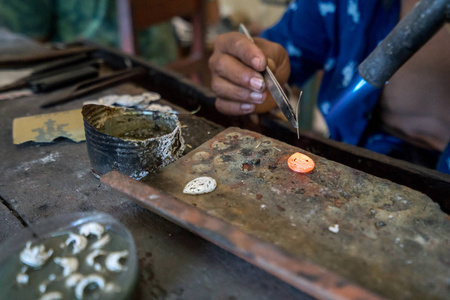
(68, 20)
(33, 17)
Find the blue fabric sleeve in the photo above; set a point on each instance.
(301, 32)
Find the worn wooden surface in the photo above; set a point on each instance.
(43, 180)
(10, 223)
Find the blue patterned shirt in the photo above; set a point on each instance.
(335, 36)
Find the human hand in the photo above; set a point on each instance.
(236, 65)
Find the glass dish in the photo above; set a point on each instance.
(108, 267)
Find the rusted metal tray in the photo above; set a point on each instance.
(392, 241)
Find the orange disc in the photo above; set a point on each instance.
(300, 163)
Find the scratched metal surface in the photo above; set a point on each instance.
(44, 180)
(391, 239)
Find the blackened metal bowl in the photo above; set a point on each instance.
(133, 142)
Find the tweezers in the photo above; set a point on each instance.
(277, 91)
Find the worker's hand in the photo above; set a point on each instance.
(236, 65)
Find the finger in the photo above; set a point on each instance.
(227, 90)
(277, 58)
(235, 71)
(238, 45)
(234, 108)
(271, 64)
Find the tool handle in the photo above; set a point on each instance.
(411, 33)
(63, 79)
(21, 60)
(51, 69)
(97, 84)
(58, 64)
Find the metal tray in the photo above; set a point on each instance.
(392, 241)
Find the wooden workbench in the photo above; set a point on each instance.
(44, 180)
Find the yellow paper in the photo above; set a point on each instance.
(47, 127)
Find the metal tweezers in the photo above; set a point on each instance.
(277, 91)
(93, 85)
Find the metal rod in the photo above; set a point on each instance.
(411, 33)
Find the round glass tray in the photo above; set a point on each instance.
(75, 256)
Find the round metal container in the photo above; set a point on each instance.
(133, 142)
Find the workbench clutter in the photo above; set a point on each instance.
(49, 76)
(131, 134)
(144, 101)
(45, 128)
(70, 256)
(263, 220)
